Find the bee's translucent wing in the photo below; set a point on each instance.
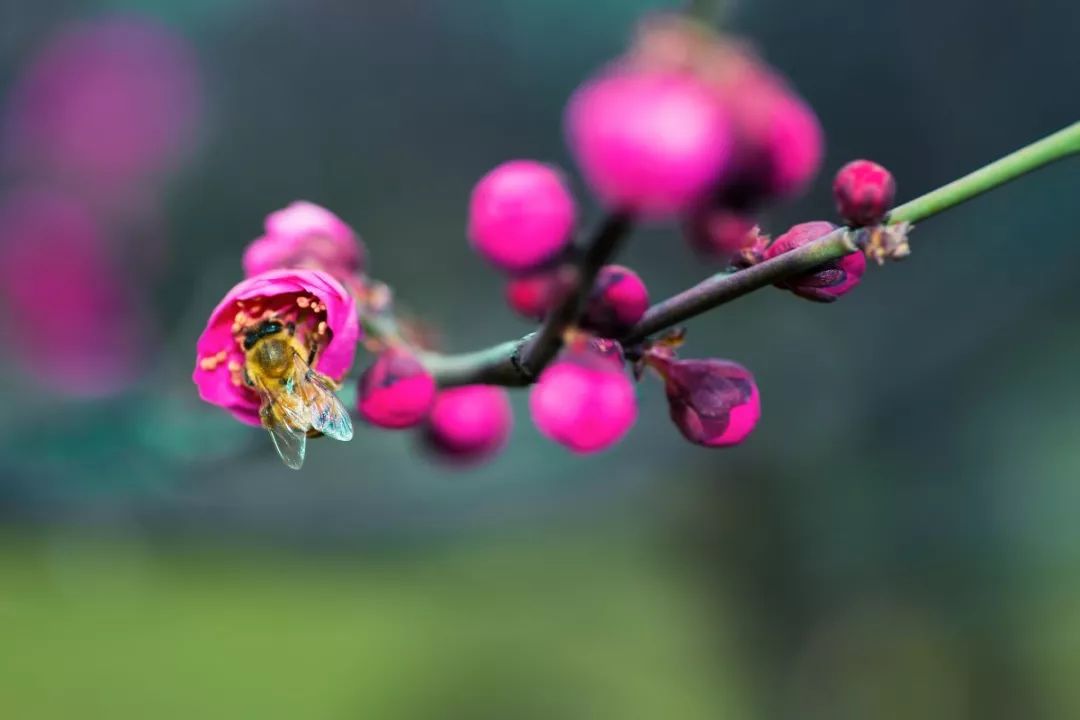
(290, 442)
(325, 411)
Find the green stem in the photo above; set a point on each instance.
(1054, 147)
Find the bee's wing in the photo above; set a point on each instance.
(325, 411)
(284, 415)
(290, 442)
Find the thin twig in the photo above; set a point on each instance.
(519, 362)
(546, 344)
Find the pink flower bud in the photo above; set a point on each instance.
(521, 215)
(864, 192)
(306, 236)
(396, 391)
(325, 319)
(649, 142)
(583, 401)
(722, 235)
(470, 423)
(828, 282)
(714, 403)
(532, 295)
(617, 302)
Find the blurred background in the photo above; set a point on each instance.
(896, 540)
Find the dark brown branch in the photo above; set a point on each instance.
(545, 345)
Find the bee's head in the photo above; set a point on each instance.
(264, 329)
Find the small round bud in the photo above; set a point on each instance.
(648, 142)
(826, 283)
(532, 295)
(714, 403)
(618, 300)
(721, 235)
(521, 215)
(470, 423)
(583, 401)
(396, 391)
(308, 236)
(864, 192)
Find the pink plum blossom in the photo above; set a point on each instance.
(714, 403)
(584, 402)
(521, 215)
(304, 235)
(829, 282)
(470, 423)
(325, 316)
(396, 391)
(651, 143)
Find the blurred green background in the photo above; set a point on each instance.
(896, 540)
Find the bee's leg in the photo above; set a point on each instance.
(247, 379)
(311, 354)
(313, 433)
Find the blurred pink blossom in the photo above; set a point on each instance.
(105, 103)
(72, 317)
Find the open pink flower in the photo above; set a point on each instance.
(306, 236)
(325, 316)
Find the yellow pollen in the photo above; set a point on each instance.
(211, 362)
(303, 301)
(322, 327)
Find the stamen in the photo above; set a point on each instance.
(211, 362)
(303, 301)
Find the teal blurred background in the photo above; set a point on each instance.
(896, 540)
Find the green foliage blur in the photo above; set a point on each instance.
(896, 540)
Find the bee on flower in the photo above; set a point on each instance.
(273, 353)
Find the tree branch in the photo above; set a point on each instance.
(519, 362)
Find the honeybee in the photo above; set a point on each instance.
(297, 402)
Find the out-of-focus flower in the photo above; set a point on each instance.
(532, 295)
(306, 236)
(325, 317)
(521, 215)
(584, 401)
(72, 316)
(396, 391)
(105, 104)
(778, 142)
(469, 424)
(618, 300)
(714, 403)
(723, 235)
(649, 142)
(864, 192)
(830, 281)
